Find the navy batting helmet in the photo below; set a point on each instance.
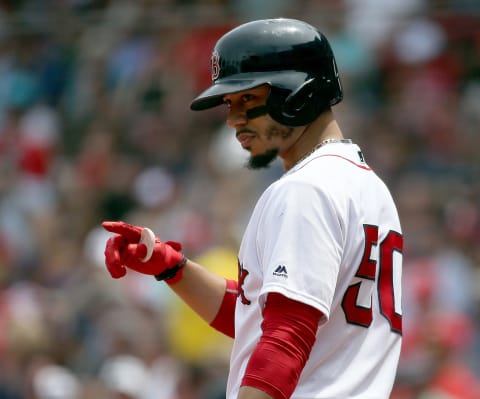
(291, 56)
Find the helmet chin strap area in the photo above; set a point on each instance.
(255, 112)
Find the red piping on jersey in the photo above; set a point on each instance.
(338, 156)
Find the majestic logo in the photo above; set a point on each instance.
(242, 274)
(215, 60)
(360, 155)
(281, 271)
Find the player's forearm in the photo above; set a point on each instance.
(201, 289)
(252, 393)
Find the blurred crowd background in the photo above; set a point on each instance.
(95, 125)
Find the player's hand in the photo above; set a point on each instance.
(137, 248)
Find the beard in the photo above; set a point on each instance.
(265, 160)
(262, 160)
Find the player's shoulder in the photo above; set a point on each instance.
(299, 188)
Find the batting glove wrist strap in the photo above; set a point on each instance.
(171, 275)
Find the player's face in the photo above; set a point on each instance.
(261, 136)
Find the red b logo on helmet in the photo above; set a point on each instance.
(215, 65)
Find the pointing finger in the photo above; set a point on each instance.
(130, 232)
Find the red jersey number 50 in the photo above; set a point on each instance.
(363, 316)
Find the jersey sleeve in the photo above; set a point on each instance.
(300, 244)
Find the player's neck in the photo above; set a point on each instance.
(325, 127)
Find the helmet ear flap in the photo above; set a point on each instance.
(297, 108)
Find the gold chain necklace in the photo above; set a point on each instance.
(321, 144)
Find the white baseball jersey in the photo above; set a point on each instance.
(327, 234)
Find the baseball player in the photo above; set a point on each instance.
(316, 310)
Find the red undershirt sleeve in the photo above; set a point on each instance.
(225, 319)
(289, 330)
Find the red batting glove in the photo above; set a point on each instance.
(124, 250)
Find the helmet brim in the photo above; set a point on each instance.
(213, 96)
